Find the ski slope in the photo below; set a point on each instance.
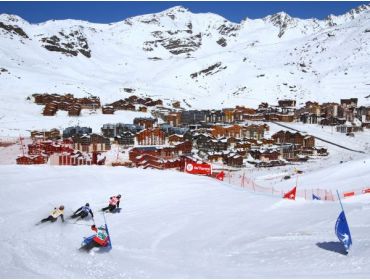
(172, 225)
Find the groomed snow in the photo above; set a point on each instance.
(172, 225)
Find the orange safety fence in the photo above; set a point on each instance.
(241, 180)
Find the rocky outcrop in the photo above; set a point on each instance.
(211, 70)
(14, 29)
(71, 44)
(174, 44)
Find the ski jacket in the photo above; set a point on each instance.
(85, 209)
(114, 201)
(57, 212)
(101, 236)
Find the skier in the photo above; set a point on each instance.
(55, 214)
(113, 203)
(83, 212)
(100, 239)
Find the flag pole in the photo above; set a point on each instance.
(340, 201)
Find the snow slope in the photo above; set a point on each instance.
(172, 225)
(177, 55)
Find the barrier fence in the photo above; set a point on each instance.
(243, 181)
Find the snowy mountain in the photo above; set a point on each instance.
(202, 60)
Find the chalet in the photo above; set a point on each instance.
(91, 143)
(146, 122)
(50, 109)
(215, 116)
(169, 129)
(228, 114)
(309, 118)
(30, 159)
(216, 144)
(132, 99)
(242, 113)
(92, 102)
(202, 141)
(254, 131)
(184, 148)
(193, 116)
(349, 128)
(138, 151)
(286, 103)
(226, 131)
(74, 110)
(296, 138)
(143, 109)
(175, 138)
(126, 138)
(75, 158)
(329, 110)
(151, 136)
(266, 155)
(173, 119)
(52, 134)
(234, 160)
(113, 130)
(332, 121)
(285, 117)
(350, 102)
(76, 130)
(108, 110)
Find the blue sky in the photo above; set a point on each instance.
(106, 12)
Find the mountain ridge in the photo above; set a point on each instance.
(257, 60)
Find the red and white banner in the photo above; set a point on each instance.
(201, 169)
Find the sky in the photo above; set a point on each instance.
(107, 12)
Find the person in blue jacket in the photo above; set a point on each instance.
(83, 212)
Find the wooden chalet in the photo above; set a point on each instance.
(151, 136)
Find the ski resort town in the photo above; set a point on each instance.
(172, 136)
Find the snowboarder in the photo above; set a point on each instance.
(83, 212)
(100, 239)
(113, 203)
(55, 214)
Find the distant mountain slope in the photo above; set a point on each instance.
(201, 58)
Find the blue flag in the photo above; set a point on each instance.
(315, 197)
(342, 231)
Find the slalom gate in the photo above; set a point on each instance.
(241, 180)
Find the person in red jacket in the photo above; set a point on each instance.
(101, 238)
(113, 203)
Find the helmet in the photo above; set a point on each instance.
(87, 204)
(61, 207)
(119, 196)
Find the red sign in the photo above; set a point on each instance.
(366, 190)
(195, 168)
(348, 194)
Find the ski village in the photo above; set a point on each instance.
(182, 145)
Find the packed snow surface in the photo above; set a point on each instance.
(172, 225)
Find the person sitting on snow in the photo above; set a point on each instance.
(100, 239)
(113, 203)
(83, 212)
(55, 214)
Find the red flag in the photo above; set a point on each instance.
(290, 194)
(220, 176)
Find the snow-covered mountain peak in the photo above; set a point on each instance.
(177, 54)
(175, 10)
(12, 19)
